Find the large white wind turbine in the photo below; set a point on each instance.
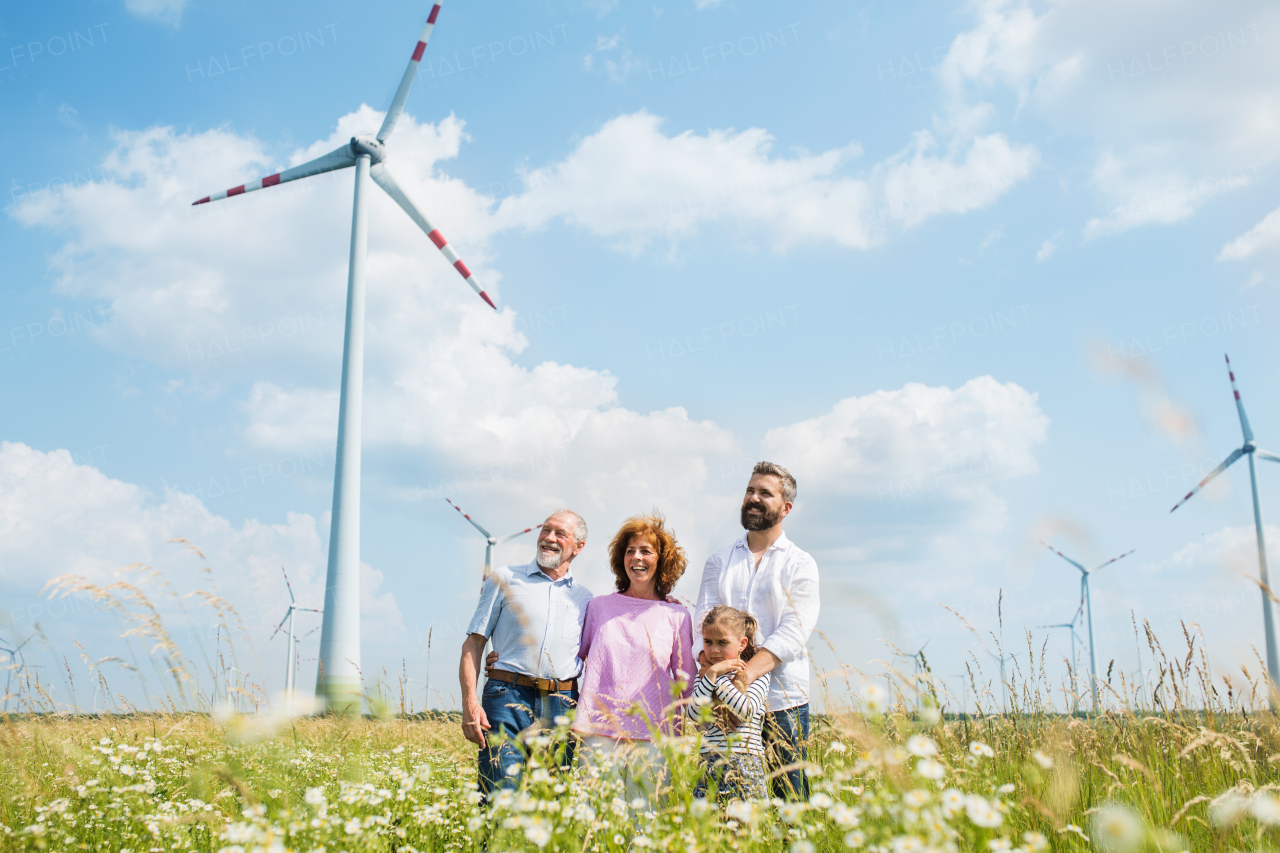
(1250, 449)
(1088, 604)
(291, 671)
(490, 539)
(338, 678)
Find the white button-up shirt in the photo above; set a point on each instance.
(782, 594)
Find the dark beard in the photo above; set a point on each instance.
(766, 520)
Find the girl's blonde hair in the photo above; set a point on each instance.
(738, 621)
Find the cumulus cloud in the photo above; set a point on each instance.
(1260, 237)
(164, 11)
(1179, 108)
(673, 185)
(62, 516)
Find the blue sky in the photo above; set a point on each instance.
(968, 270)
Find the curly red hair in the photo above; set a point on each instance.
(671, 558)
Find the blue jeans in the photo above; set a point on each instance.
(786, 739)
(511, 709)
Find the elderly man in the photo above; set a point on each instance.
(533, 613)
(766, 575)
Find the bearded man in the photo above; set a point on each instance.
(766, 575)
(534, 614)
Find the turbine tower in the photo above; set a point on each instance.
(338, 675)
(290, 672)
(1087, 602)
(1251, 449)
(1070, 626)
(490, 540)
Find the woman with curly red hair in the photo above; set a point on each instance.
(636, 645)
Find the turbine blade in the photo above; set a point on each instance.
(288, 586)
(1266, 454)
(278, 627)
(1062, 555)
(1235, 454)
(340, 158)
(380, 174)
(1244, 419)
(410, 73)
(511, 536)
(468, 518)
(1112, 560)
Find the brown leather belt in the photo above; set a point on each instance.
(548, 685)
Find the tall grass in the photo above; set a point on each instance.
(1174, 762)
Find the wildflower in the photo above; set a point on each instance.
(1265, 808)
(915, 799)
(791, 812)
(126, 770)
(1043, 760)
(740, 811)
(35, 829)
(699, 807)
(1006, 788)
(1071, 827)
(1000, 845)
(854, 839)
(352, 827)
(560, 720)
(641, 841)
(921, 746)
(980, 750)
(1035, 841)
(837, 746)
(1118, 829)
(638, 803)
(952, 802)
(541, 775)
(931, 716)
(930, 769)
(844, 816)
(873, 696)
(538, 833)
(802, 847)
(981, 812)
(513, 770)
(315, 797)
(399, 749)
(906, 844)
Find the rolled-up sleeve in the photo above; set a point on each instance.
(799, 609)
(485, 619)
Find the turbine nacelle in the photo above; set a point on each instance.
(368, 146)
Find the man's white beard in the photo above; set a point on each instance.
(550, 561)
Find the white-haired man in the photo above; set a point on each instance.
(766, 575)
(534, 614)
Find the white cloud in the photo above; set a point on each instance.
(1180, 108)
(59, 516)
(700, 5)
(1258, 238)
(1046, 250)
(675, 184)
(164, 11)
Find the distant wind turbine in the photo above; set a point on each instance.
(1071, 627)
(489, 538)
(1087, 601)
(290, 672)
(338, 675)
(1250, 449)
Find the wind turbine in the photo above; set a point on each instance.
(1087, 600)
(1250, 449)
(490, 539)
(917, 661)
(17, 663)
(290, 672)
(1071, 627)
(338, 676)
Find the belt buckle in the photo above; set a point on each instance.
(546, 685)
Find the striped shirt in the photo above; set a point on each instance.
(749, 707)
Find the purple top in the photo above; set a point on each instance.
(633, 650)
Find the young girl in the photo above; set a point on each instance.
(731, 745)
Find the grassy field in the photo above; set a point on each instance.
(1183, 761)
(886, 782)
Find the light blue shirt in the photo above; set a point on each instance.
(535, 623)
